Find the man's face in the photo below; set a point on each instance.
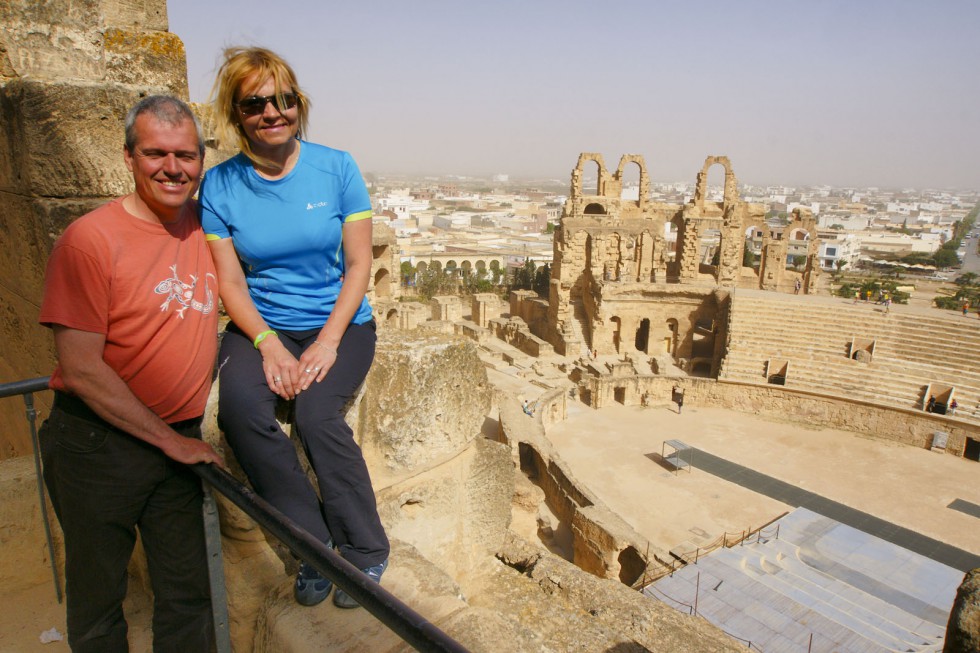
(166, 164)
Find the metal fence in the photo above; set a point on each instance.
(387, 608)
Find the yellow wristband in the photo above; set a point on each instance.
(262, 336)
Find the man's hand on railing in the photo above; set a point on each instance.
(190, 451)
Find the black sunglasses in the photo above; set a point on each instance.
(255, 104)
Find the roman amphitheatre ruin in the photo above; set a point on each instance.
(516, 532)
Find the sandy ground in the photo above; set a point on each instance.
(615, 453)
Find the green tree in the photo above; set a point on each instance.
(432, 282)
(944, 258)
(407, 272)
(542, 280)
(523, 276)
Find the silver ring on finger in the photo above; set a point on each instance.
(307, 370)
(278, 379)
(316, 369)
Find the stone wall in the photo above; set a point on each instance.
(906, 426)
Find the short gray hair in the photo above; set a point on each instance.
(165, 108)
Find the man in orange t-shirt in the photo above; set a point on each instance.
(130, 296)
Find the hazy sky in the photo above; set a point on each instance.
(842, 92)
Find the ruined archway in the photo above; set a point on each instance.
(633, 170)
(382, 283)
(642, 340)
(670, 340)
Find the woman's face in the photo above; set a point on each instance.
(270, 128)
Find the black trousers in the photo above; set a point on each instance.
(346, 510)
(104, 484)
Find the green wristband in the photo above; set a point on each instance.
(262, 336)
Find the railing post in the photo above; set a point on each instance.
(697, 590)
(216, 571)
(32, 420)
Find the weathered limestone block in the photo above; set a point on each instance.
(455, 513)
(154, 59)
(567, 609)
(446, 308)
(425, 399)
(147, 14)
(62, 39)
(286, 627)
(485, 307)
(32, 357)
(963, 630)
(65, 139)
(26, 560)
(55, 39)
(28, 229)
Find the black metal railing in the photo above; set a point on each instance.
(387, 608)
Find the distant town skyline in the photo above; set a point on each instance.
(871, 93)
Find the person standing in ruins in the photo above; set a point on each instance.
(129, 296)
(289, 225)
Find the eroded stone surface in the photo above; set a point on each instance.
(963, 631)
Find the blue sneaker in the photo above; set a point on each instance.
(311, 587)
(342, 599)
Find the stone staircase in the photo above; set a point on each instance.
(779, 593)
(912, 349)
(576, 325)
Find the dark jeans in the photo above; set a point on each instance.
(247, 412)
(104, 484)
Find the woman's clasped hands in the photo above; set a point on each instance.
(286, 376)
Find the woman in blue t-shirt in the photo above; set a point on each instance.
(289, 225)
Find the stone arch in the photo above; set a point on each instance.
(602, 174)
(594, 209)
(731, 183)
(391, 315)
(421, 267)
(382, 283)
(379, 251)
(436, 266)
(640, 163)
(466, 267)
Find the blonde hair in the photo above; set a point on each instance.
(240, 63)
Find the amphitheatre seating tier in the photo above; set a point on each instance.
(851, 591)
(912, 348)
